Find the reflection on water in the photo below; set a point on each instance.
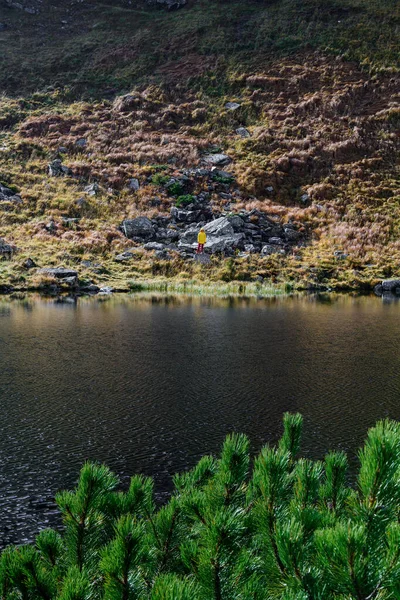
(150, 383)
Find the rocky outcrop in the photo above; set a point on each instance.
(388, 287)
(246, 233)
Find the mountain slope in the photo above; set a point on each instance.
(317, 89)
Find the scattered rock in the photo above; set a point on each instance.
(106, 290)
(69, 221)
(81, 203)
(339, 255)
(89, 288)
(58, 272)
(154, 246)
(57, 169)
(291, 234)
(6, 250)
(81, 143)
(51, 226)
(141, 228)
(133, 185)
(124, 256)
(167, 235)
(268, 249)
(29, 263)
(93, 189)
(9, 195)
(388, 286)
(276, 241)
(243, 132)
(232, 105)
(217, 159)
(237, 223)
(219, 227)
(163, 254)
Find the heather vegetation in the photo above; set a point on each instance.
(301, 96)
(276, 527)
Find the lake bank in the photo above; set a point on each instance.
(60, 281)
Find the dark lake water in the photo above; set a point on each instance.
(150, 385)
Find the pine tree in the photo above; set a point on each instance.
(278, 528)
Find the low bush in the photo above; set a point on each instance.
(279, 527)
(185, 200)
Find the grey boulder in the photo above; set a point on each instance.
(6, 250)
(388, 286)
(57, 169)
(217, 160)
(232, 105)
(141, 227)
(268, 249)
(133, 185)
(154, 246)
(124, 257)
(243, 132)
(219, 227)
(237, 223)
(58, 272)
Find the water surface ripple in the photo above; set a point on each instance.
(150, 385)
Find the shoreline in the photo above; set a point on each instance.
(190, 288)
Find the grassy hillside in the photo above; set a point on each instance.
(319, 93)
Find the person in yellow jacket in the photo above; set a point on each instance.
(201, 240)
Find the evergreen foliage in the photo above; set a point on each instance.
(284, 528)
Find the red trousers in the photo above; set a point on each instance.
(200, 248)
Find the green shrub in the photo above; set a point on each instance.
(184, 200)
(221, 179)
(175, 189)
(159, 179)
(278, 528)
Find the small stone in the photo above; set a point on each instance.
(81, 202)
(154, 246)
(268, 249)
(29, 263)
(232, 105)
(58, 272)
(217, 159)
(133, 185)
(124, 257)
(276, 241)
(93, 189)
(106, 290)
(243, 132)
(81, 143)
